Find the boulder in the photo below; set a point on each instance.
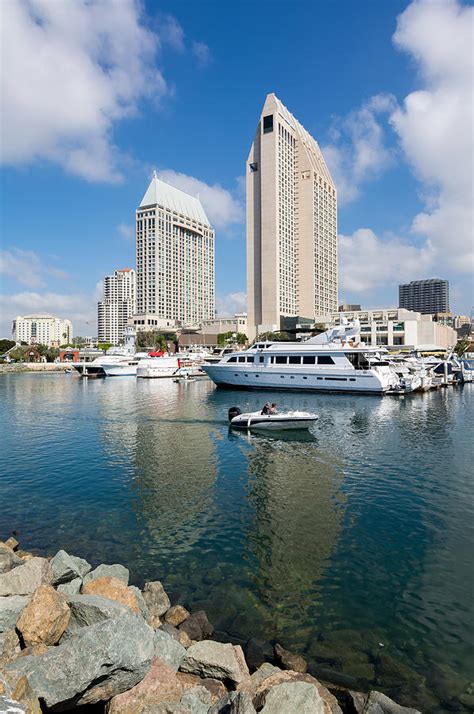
(24, 695)
(168, 650)
(288, 660)
(8, 559)
(196, 700)
(216, 660)
(184, 639)
(12, 543)
(292, 697)
(9, 646)
(173, 631)
(176, 615)
(113, 589)
(379, 703)
(330, 704)
(157, 602)
(87, 610)
(96, 664)
(257, 651)
(197, 626)
(242, 704)
(73, 587)
(108, 571)
(265, 671)
(34, 650)
(11, 706)
(25, 578)
(45, 618)
(140, 600)
(68, 567)
(10, 610)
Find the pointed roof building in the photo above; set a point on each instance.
(160, 193)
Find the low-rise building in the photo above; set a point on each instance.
(42, 329)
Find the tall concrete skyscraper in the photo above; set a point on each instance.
(117, 305)
(426, 296)
(291, 223)
(175, 256)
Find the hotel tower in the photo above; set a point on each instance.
(175, 256)
(291, 224)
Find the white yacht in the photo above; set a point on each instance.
(332, 362)
(114, 356)
(125, 367)
(167, 366)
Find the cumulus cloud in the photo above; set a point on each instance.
(27, 268)
(435, 124)
(231, 303)
(70, 71)
(358, 151)
(202, 53)
(221, 206)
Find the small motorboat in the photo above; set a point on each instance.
(282, 420)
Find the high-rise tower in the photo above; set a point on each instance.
(117, 305)
(425, 296)
(175, 256)
(291, 223)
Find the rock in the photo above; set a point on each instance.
(157, 602)
(257, 652)
(45, 618)
(140, 600)
(96, 664)
(265, 671)
(108, 571)
(8, 559)
(12, 543)
(68, 567)
(23, 694)
(176, 615)
(113, 589)
(11, 706)
(288, 660)
(173, 631)
(242, 704)
(87, 610)
(292, 697)
(34, 650)
(25, 578)
(73, 587)
(9, 646)
(216, 660)
(168, 650)
(379, 703)
(196, 700)
(184, 639)
(10, 610)
(197, 626)
(329, 701)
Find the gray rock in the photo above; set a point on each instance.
(73, 587)
(215, 659)
(265, 671)
(242, 704)
(87, 610)
(9, 646)
(24, 579)
(223, 705)
(68, 567)
(99, 662)
(197, 700)
(8, 559)
(156, 598)
(10, 706)
(168, 650)
(140, 600)
(291, 697)
(379, 703)
(108, 571)
(10, 610)
(173, 631)
(197, 626)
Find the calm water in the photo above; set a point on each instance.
(351, 545)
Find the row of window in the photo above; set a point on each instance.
(285, 359)
(325, 379)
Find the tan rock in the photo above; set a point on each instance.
(154, 621)
(289, 660)
(176, 615)
(34, 650)
(45, 618)
(23, 693)
(184, 639)
(330, 704)
(12, 543)
(113, 589)
(9, 646)
(2, 688)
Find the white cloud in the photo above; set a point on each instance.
(172, 33)
(70, 71)
(126, 231)
(202, 53)
(231, 303)
(367, 262)
(27, 268)
(222, 208)
(358, 152)
(435, 124)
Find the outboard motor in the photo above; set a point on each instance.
(233, 412)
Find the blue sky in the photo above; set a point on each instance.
(96, 95)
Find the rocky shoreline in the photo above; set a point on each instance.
(72, 637)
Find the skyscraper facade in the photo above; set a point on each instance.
(426, 296)
(117, 305)
(291, 223)
(175, 256)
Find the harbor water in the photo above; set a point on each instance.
(350, 544)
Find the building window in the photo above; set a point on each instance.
(268, 124)
(253, 167)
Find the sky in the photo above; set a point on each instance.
(96, 94)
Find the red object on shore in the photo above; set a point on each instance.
(156, 354)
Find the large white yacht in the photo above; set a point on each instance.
(334, 361)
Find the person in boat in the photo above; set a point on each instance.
(270, 408)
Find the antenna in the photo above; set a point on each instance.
(155, 175)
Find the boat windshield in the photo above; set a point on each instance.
(358, 360)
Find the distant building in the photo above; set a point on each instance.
(42, 329)
(291, 223)
(425, 296)
(118, 303)
(175, 256)
(346, 306)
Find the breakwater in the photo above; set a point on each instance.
(71, 635)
